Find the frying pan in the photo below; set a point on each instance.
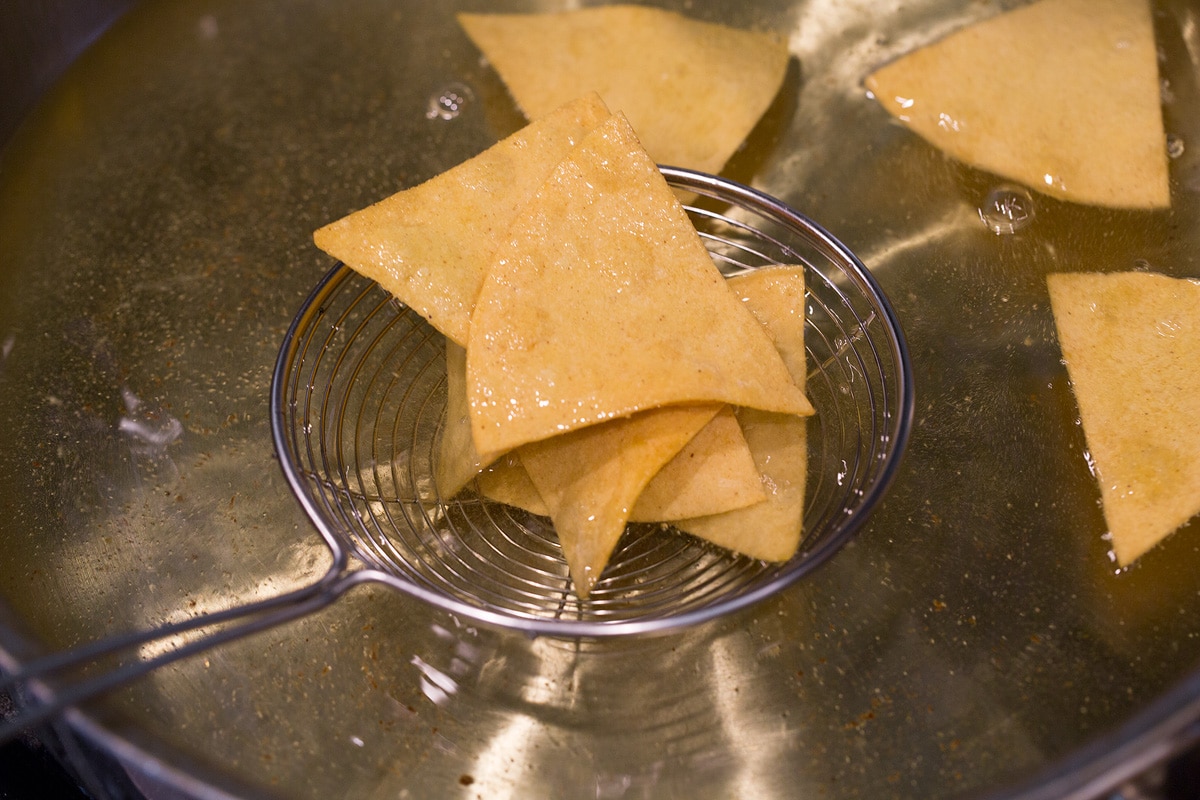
(156, 205)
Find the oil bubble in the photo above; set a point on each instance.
(1166, 93)
(448, 102)
(1175, 145)
(1007, 209)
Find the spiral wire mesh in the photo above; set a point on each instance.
(361, 391)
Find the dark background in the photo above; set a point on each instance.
(27, 772)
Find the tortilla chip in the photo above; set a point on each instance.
(770, 530)
(715, 472)
(1061, 95)
(602, 302)
(506, 481)
(458, 461)
(1131, 342)
(590, 479)
(413, 243)
(692, 90)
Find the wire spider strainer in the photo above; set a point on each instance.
(357, 405)
(361, 399)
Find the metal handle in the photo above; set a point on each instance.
(249, 618)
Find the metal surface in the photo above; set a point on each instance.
(155, 220)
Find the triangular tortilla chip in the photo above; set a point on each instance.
(430, 245)
(458, 461)
(1131, 342)
(770, 530)
(692, 90)
(506, 481)
(714, 472)
(602, 302)
(590, 479)
(596, 470)
(1061, 95)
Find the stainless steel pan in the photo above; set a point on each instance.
(155, 212)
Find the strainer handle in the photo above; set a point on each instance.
(247, 619)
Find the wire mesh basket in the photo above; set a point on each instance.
(359, 402)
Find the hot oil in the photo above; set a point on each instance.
(155, 215)
(998, 510)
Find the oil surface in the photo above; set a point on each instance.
(155, 223)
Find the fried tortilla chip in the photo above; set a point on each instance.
(596, 470)
(591, 477)
(416, 244)
(1061, 95)
(506, 481)
(1131, 342)
(770, 530)
(602, 302)
(714, 472)
(692, 90)
(458, 461)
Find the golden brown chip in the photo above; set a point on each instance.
(430, 245)
(458, 461)
(715, 472)
(770, 530)
(1131, 342)
(692, 90)
(1060, 95)
(506, 481)
(602, 302)
(591, 477)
